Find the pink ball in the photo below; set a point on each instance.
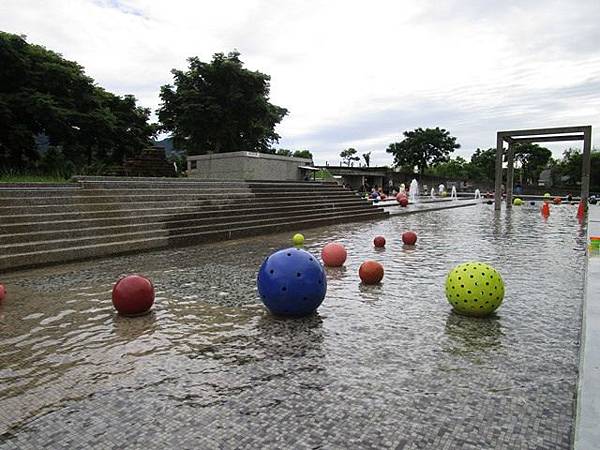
(133, 295)
(379, 241)
(403, 202)
(400, 196)
(2, 292)
(334, 254)
(409, 237)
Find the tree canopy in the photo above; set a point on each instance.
(44, 95)
(219, 107)
(533, 159)
(349, 155)
(423, 147)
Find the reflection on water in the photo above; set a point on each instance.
(209, 353)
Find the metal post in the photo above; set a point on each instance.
(498, 184)
(510, 171)
(585, 168)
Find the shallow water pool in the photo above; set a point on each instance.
(387, 366)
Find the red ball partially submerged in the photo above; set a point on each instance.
(409, 237)
(133, 295)
(379, 241)
(334, 254)
(2, 292)
(370, 272)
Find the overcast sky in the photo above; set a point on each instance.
(351, 73)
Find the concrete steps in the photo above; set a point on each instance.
(105, 216)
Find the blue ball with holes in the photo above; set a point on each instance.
(291, 282)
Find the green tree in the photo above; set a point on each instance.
(284, 152)
(42, 94)
(453, 169)
(568, 168)
(483, 164)
(349, 155)
(219, 107)
(367, 158)
(303, 154)
(423, 147)
(533, 159)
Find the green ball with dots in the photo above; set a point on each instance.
(474, 289)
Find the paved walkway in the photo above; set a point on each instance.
(587, 431)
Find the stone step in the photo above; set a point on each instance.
(62, 223)
(45, 234)
(212, 206)
(36, 258)
(197, 201)
(163, 230)
(132, 195)
(11, 193)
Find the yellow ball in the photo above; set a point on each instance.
(474, 289)
(517, 202)
(298, 239)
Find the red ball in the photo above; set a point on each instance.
(557, 200)
(2, 292)
(403, 202)
(132, 295)
(334, 254)
(379, 241)
(400, 196)
(370, 272)
(409, 237)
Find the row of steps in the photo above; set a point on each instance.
(104, 216)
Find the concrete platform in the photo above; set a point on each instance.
(587, 429)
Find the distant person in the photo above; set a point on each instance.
(441, 188)
(390, 186)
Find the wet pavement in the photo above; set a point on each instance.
(387, 366)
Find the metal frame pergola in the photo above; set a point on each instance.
(513, 137)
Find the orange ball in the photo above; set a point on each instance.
(370, 272)
(409, 237)
(334, 254)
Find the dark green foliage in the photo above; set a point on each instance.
(219, 107)
(422, 148)
(483, 164)
(41, 93)
(533, 159)
(303, 154)
(349, 155)
(567, 171)
(284, 152)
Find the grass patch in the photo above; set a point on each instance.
(7, 177)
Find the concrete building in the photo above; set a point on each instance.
(249, 166)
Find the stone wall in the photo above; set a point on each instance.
(246, 166)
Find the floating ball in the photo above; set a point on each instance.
(517, 202)
(133, 295)
(557, 200)
(291, 282)
(474, 289)
(298, 239)
(400, 196)
(379, 241)
(2, 292)
(409, 237)
(403, 202)
(489, 202)
(376, 200)
(370, 272)
(334, 254)
(532, 203)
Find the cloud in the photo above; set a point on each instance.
(351, 73)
